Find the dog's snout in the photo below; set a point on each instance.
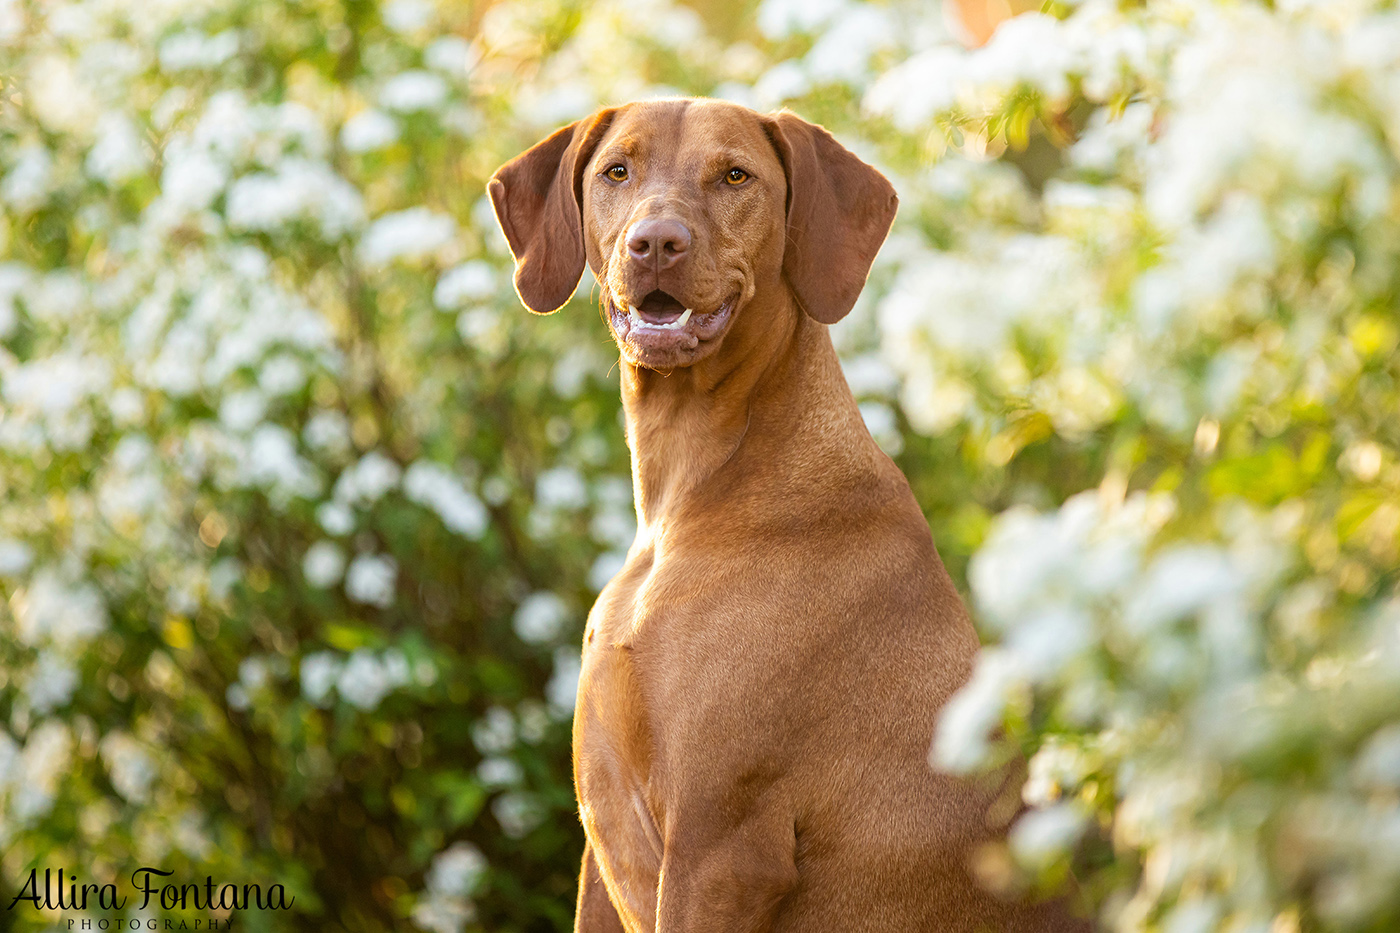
(658, 243)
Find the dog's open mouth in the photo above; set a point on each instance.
(660, 310)
(661, 322)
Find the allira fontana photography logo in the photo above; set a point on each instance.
(150, 889)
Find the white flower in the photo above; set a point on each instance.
(130, 766)
(281, 375)
(843, 53)
(431, 486)
(327, 430)
(880, 420)
(369, 130)
(45, 758)
(118, 153)
(451, 55)
(1030, 49)
(605, 567)
(50, 683)
(236, 696)
(15, 557)
(194, 50)
(478, 326)
(494, 733)
(443, 915)
(499, 772)
(1053, 772)
(323, 564)
(319, 673)
(299, 189)
(966, 722)
(614, 526)
(60, 96)
(783, 82)
(51, 609)
(127, 406)
(869, 374)
(554, 104)
(1046, 642)
(1042, 836)
(273, 463)
(254, 673)
(562, 487)
(368, 480)
(471, 281)
(1109, 137)
(413, 90)
(517, 812)
(919, 88)
(364, 681)
(456, 870)
(397, 668)
(778, 19)
(190, 180)
(1193, 916)
(407, 16)
(1378, 764)
(1180, 581)
(562, 689)
(25, 186)
(406, 234)
(240, 411)
(370, 579)
(222, 577)
(540, 617)
(335, 518)
(52, 386)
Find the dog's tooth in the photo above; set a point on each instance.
(680, 321)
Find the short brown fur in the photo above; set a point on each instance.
(761, 680)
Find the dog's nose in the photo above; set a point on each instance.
(658, 243)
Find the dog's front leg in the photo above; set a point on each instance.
(723, 877)
(596, 913)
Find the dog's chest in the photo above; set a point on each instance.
(641, 622)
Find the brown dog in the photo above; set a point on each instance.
(760, 681)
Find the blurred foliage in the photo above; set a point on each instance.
(302, 512)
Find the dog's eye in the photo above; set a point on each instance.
(617, 173)
(736, 176)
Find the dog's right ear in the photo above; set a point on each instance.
(538, 199)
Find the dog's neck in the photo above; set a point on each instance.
(775, 384)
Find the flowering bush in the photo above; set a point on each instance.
(1170, 356)
(303, 513)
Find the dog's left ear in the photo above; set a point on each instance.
(839, 211)
(538, 199)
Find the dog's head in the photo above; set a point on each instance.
(685, 210)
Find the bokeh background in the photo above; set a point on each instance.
(301, 512)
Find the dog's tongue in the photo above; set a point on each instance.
(660, 308)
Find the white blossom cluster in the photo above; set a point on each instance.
(363, 678)
(1203, 670)
(455, 873)
(1298, 109)
(212, 278)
